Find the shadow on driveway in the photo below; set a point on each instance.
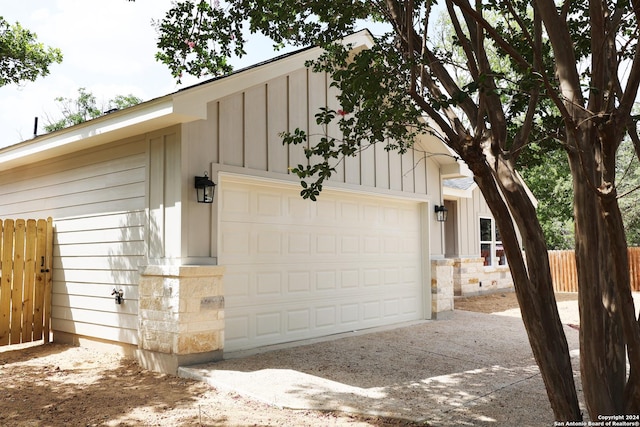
(473, 369)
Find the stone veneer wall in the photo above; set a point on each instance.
(471, 277)
(441, 288)
(181, 316)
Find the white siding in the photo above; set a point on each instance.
(244, 132)
(242, 135)
(97, 201)
(468, 223)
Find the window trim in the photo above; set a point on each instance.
(493, 260)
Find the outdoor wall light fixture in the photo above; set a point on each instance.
(205, 189)
(441, 213)
(119, 295)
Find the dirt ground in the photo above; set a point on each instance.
(57, 385)
(501, 301)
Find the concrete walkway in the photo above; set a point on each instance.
(473, 369)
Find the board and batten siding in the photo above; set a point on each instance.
(468, 222)
(243, 131)
(97, 200)
(242, 135)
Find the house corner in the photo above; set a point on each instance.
(181, 316)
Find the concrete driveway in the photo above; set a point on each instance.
(472, 369)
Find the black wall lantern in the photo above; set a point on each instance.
(441, 213)
(205, 189)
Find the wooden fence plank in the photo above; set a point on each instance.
(18, 280)
(26, 262)
(5, 283)
(29, 282)
(38, 300)
(48, 281)
(564, 272)
(634, 268)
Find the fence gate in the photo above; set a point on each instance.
(26, 252)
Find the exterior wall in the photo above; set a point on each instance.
(130, 203)
(471, 277)
(181, 316)
(467, 219)
(166, 188)
(241, 135)
(442, 288)
(98, 200)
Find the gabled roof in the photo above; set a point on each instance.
(183, 106)
(463, 188)
(460, 183)
(459, 187)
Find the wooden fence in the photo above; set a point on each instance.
(565, 276)
(26, 250)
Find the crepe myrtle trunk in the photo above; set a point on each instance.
(617, 260)
(601, 341)
(629, 327)
(532, 282)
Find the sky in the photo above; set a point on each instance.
(108, 49)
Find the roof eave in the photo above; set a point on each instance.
(139, 119)
(184, 106)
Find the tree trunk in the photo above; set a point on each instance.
(618, 254)
(533, 284)
(602, 352)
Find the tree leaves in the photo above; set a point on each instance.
(22, 57)
(85, 107)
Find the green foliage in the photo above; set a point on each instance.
(549, 179)
(85, 107)
(202, 42)
(120, 102)
(375, 109)
(198, 37)
(506, 111)
(542, 163)
(22, 57)
(628, 188)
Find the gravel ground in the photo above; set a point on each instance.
(56, 385)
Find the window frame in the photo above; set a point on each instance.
(493, 259)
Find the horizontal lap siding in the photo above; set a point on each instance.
(97, 201)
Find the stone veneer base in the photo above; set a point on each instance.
(169, 363)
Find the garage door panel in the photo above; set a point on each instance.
(266, 326)
(326, 316)
(411, 306)
(349, 314)
(250, 241)
(298, 320)
(339, 278)
(297, 269)
(268, 284)
(236, 329)
(240, 203)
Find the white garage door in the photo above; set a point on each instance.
(298, 269)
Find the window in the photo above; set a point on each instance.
(491, 248)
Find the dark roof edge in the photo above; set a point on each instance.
(265, 62)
